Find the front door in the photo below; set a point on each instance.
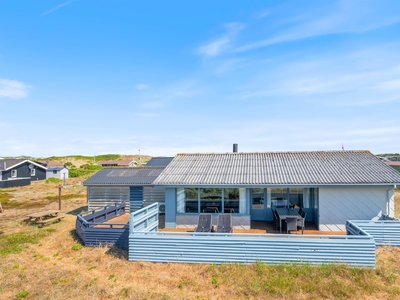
(258, 203)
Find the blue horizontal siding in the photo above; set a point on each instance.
(238, 248)
(94, 236)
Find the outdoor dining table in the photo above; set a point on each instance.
(283, 213)
(43, 216)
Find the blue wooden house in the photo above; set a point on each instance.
(331, 186)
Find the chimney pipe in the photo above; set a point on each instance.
(235, 148)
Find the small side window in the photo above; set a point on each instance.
(13, 173)
(33, 172)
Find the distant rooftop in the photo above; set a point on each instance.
(124, 176)
(159, 161)
(124, 162)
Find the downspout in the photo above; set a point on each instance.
(389, 201)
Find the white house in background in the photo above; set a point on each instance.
(331, 186)
(60, 172)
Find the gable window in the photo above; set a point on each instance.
(33, 172)
(13, 173)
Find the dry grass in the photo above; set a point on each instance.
(397, 203)
(51, 264)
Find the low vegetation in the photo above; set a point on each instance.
(53, 180)
(51, 263)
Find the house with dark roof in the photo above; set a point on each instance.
(394, 164)
(134, 186)
(117, 163)
(330, 186)
(159, 161)
(20, 172)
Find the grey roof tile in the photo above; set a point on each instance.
(278, 168)
(124, 176)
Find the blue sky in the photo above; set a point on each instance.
(92, 77)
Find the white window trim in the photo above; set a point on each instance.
(33, 172)
(14, 173)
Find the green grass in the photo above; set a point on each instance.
(281, 281)
(53, 180)
(5, 199)
(14, 243)
(65, 197)
(89, 158)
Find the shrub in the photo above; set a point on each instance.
(77, 247)
(53, 180)
(21, 295)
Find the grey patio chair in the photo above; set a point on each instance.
(224, 224)
(291, 224)
(277, 223)
(302, 222)
(204, 223)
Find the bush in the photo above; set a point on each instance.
(91, 167)
(53, 180)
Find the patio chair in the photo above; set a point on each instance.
(277, 223)
(290, 224)
(224, 224)
(203, 223)
(302, 222)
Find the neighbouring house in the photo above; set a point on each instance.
(132, 185)
(57, 172)
(55, 169)
(394, 164)
(330, 186)
(159, 161)
(20, 172)
(117, 163)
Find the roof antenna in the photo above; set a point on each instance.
(342, 147)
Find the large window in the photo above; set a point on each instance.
(257, 198)
(187, 200)
(279, 197)
(287, 197)
(231, 200)
(296, 197)
(211, 200)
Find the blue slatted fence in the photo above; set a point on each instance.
(147, 244)
(93, 232)
(385, 232)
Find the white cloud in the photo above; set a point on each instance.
(142, 86)
(56, 8)
(389, 85)
(341, 17)
(13, 89)
(219, 45)
(165, 96)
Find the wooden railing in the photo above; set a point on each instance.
(92, 230)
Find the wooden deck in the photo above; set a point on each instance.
(257, 227)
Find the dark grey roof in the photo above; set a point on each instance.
(7, 163)
(159, 161)
(278, 168)
(125, 176)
